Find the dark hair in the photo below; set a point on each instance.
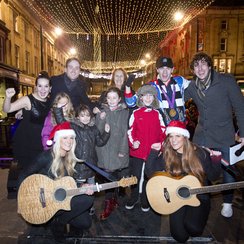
(70, 60)
(201, 56)
(42, 74)
(114, 89)
(83, 108)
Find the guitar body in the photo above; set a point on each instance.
(40, 197)
(166, 194)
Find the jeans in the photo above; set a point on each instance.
(228, 174)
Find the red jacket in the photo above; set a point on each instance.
(147, 127)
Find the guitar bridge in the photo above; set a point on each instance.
(42, 198)
(166, 195)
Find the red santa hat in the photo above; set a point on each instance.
(177, 127)
(58, 131)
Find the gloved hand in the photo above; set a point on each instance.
(130, 79)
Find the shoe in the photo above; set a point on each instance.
(92, 211)
(227, 210)
(131, 204)
(145, 207)
(75, 232)
(58, 230)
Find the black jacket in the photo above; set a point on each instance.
(76, 91)
(87, 138)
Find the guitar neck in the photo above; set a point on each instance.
(216, 188)
(95, 188)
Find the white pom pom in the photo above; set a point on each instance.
(49, 143)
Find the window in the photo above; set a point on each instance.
(27, 62)
(36, 38)
(16, 56)
(222, 65)
(16, 20)
(36, 67)
(27, 31)
(2, 48)
(223, 25)
(223, 42)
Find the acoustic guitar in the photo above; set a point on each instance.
(40, 197)
(166, 194)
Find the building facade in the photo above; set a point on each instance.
(218, 31)
(26, 48)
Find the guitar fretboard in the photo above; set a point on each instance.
(95, 188)
(216, 188)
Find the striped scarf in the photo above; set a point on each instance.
(202, 85)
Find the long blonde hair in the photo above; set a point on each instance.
(62, 164)
(70, 111)
(188, 164)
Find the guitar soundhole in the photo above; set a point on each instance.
(60, 194)
(184, 192)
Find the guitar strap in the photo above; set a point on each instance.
(101, 172)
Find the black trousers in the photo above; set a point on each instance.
(79, 215)
(135, 167)
(189, 221)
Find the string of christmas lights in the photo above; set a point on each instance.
(128, 28)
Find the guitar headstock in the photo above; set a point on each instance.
(127, 181)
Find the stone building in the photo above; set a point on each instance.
(218, 31)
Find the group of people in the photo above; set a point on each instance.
(130, 133)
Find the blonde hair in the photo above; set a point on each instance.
(70, 111)
(189, 163)
(62, 164)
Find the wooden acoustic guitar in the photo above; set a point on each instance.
(40, 197)
(167, 194)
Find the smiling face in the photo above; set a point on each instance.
(73, 70)
(113, 99)
(147, 99)
(84, 117)
(42, 88)
(201, 69)
(177, 142)
(165, 73)
(66, 143)
(119, 78)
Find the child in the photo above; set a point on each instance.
(146, 127)
(87, 138)
(62, 100)
(114, 156)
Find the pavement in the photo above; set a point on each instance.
(123, 226)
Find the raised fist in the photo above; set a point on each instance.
(10, 92)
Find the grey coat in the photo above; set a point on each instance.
(215, 127)
(108, 158)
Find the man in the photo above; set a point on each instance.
(217, 96)
(170, 91)
(70, 83)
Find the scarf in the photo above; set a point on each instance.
(202, 85)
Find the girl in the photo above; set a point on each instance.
(181, 157)
(62, 100)
(114, 156)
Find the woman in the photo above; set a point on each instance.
(180, 157)
(56, 163)
(119, 77)
(27, 138)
